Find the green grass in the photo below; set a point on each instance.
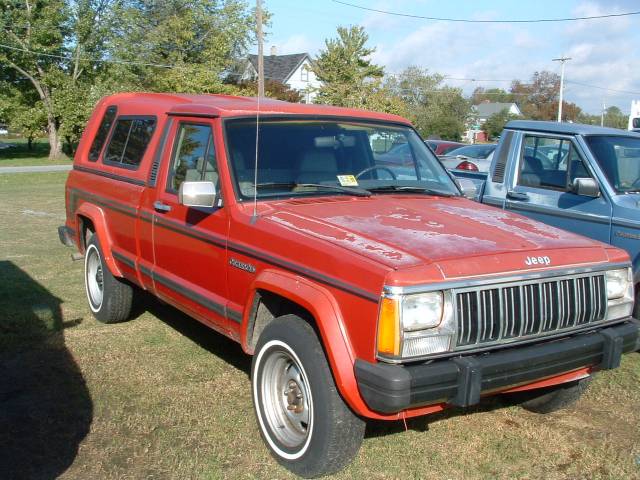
(20, 156)
(162, 396)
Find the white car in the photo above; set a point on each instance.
(475, 158)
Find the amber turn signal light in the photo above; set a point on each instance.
(389, 327)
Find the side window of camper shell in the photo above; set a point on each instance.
(129, 141)
(101, 134)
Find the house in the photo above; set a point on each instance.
(293, 70)
(481, 113)
(484, 110)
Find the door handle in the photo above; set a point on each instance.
(517, 195)
(161, 207)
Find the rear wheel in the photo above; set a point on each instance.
(302, 418)
(550, 399)
(109, 297)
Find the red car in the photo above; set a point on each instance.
(363, 291)
(442, 147)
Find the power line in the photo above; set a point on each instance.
(602, 88)
(467, 20)
(95, 60)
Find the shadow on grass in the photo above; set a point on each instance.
(202, 335)
(40, 148)
(231, 352)
(45, 406)
(382, 428)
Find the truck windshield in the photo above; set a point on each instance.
(619, 158)
(295, 154)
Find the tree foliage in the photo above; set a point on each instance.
(493, 95)
(198, 40)
(496, 122)
(272, 89)
(64, 55)
(434, 108)
(613, 117)
(538, 99)
(349, 77)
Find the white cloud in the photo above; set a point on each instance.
(604, 52)
(294, 44)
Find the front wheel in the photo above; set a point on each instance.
(550, 399)
(302, 418)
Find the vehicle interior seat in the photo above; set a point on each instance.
(202, 172)
(317, 166)
(193, 174)
(531, 171)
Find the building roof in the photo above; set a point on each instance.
(566, 128)
(279, 67)
(485, 110)
(231, 106)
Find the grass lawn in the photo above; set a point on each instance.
(20, 156)
(163, 397)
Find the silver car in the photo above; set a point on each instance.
(475, 158)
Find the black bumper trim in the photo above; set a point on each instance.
(461, 380)
(66, 236)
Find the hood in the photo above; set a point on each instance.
(403, 230)
(629, 200)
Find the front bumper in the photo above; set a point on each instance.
(461, 380)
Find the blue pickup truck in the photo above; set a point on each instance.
(580, 178)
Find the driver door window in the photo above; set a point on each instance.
(550, 163)
(194, 157)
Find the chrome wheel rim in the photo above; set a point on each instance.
(286, 399)
(94, 278)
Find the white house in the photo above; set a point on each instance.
(293, 70)
(481, 113)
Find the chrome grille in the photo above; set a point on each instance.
(506, 312)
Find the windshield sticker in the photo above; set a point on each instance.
(347, 180)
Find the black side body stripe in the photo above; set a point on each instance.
(112, 176)
(221, 242)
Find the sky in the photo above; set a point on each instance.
(604, 52)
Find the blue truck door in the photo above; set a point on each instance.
(541, 189)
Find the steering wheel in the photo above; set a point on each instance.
(377, 167)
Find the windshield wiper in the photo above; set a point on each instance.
(358, 192)
(411, 189)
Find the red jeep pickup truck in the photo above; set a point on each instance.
(362, 290)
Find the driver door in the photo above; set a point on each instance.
(543, 187)
(190, 242)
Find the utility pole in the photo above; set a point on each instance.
(562, 60)
(602, 114)
(260, 46)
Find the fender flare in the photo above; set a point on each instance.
(319, 301)
(99, 220)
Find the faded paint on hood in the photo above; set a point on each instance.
(402, 231)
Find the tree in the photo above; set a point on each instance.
(496, 122)
(538, 100)
(181, 45)
(72, 52)
(613, 117)
(348, 77)
(480, 95)
(49, 45)
(434, 108)
(273, 89)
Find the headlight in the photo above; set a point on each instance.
(619, 293)
(415, 325)
(618, 282)
(421, 311)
